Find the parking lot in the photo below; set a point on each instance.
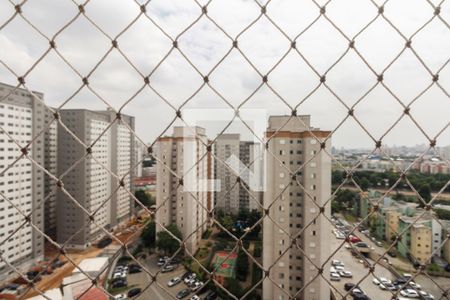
(155, 291)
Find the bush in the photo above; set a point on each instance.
(206, 234)
(242, 265)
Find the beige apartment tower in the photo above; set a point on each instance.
(293, 143)
(184, 203)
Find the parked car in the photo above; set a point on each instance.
(211, 296)
(348, 286)
(354, 239)
(135, 269)
(335, 276)
(119, 275)
(120, 297)
(375, 281)
(186, 274)
(357, 291)
(134, 292)
(447, 268)
(190, 277)
(426, 295)
(336, 262)
(162, 260)
(339, 268)
(168, 268)
(409, 293)
(183, 293)
(392, 253)
(345, 274)
(196, 285)
(174, 281)
(388, 286)
(104, 242)
(119, 283)
(195, 297)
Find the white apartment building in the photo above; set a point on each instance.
(187, 204)
(89, 182)
(50, 164)
(288, 149)
(21, 182)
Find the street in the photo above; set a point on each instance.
(436, 285)
(359, 272)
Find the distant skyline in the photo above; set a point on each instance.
(176, 80)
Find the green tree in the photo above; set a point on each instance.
(167, 242)
(425, 192)
(242, 265)
(364, 184)
(442, 213)
(146, 199)
(148, 235)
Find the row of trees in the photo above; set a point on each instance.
(371, 179)
(344, 200)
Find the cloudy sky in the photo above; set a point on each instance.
(205, 45)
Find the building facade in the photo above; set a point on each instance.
(88, 182)
(184, 203)
(50, 164)
(235, 156)
(295, 207)
(21, 182)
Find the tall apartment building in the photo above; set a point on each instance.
(21, 182)
(89, 181)
(185, 154)
(289, 148)
(50, 164)
(234, 196)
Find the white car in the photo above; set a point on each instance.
(335, 277)
(119, 275)
(415, 285)
(425, 294)
(384, 280)
(196, 286)
(195, 297)
(336, 262)
(120, 297)
(345, 274)
(409, 293)
(339, 268)
(174, 281)
(375, 281)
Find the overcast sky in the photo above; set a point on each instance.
(204, 44)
